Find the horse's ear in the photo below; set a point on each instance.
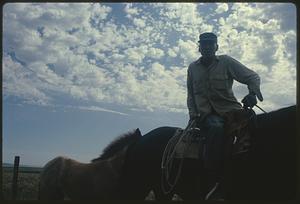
(138, 132)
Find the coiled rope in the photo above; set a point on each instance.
(168, 157)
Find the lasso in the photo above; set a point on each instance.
(168, 157)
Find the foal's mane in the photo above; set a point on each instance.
(118, 144)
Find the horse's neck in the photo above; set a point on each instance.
(116, 162)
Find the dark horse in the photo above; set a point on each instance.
(267, 171)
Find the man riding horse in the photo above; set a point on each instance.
(210, 97)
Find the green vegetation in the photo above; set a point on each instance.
(27, 185)
(28, 182)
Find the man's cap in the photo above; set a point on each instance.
(208, 36)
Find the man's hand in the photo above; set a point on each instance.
(249, 101)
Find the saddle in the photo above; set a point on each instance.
(188, 145)
(237, 134)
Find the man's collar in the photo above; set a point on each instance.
(199, 60)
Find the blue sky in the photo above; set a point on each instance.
(77, 75)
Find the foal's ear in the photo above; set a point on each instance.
(138, 132)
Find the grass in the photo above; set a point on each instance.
(27, 185)
(28, 182)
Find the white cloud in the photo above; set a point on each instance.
(261, 45)
(134, 56)
(96, 108)
(221, 8)
(162, 89)
(130, 10)
(155, 53)
(171, 53)
(188, 51)
(99, 12)
(17, 83)
(221, 21)
(77, 92)
(139, 22)
(182, 17)
(77, 51)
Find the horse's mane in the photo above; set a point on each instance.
(118, 144)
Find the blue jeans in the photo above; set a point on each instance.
(213, 127)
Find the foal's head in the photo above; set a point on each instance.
(121, 142)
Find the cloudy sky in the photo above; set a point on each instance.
(77, 75)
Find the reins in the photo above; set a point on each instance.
(261, 109)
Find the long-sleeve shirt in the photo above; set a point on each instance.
(210, 88)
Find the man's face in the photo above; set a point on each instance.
(208, 48)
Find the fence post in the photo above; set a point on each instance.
(15, 178)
